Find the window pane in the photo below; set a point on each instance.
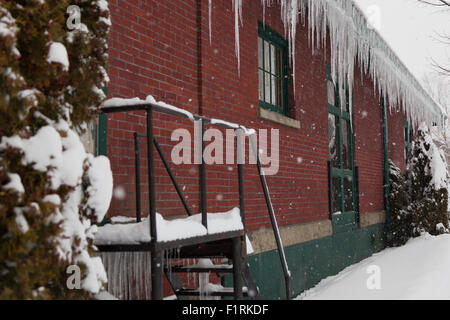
(266, 56)
(331, 93)
(336, 204)
(261, 85)
(260, 53)
(89, 137)
(345, 126)
(274, 91)
(267, 88)
(348, 194)
(333, 141)
(273, 65)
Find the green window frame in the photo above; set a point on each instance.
(273, 70)
(408, 135)
(343, 184)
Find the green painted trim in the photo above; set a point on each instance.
(271, 36)
(347, 221)
(102, 135)
(312, 261)
(409, 134)
(266, 32)
(344, 222)
(102, 146)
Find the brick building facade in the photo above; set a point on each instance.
(166, 49)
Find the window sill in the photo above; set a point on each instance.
(278, 118)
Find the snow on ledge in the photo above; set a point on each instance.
(169, 230)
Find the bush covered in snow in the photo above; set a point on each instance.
(399, 200)
(51, 191)
(419, 199)
(427, 180)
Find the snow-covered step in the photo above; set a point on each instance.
(212, 290)
(169, 230)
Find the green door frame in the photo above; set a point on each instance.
(347, 220)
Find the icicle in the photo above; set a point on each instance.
(203, 280)
(352, 40)
(237, 7)
(289, 16)
(129, 274)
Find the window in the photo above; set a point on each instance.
(273, 68)
(342, 182)
(408, 134)
(94, 138)
(90, 137)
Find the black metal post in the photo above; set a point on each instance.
(172, 177)
(156, 257)
(241, 193)
(137, 161)
(240, 166)
(237, 268)
(276, 231)
(203, 195)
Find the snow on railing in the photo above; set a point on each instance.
(123, 103)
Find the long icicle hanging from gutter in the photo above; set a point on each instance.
(237, 6)
(352, 39)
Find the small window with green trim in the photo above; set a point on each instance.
(273, 69)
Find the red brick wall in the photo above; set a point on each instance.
(154, 49)
(369, 150)
(396, 134)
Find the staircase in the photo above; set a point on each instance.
(230, 245)
(237, 267)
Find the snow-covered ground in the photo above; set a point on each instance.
(418, 270)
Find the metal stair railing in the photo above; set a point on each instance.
(273, 220)
(156, 257)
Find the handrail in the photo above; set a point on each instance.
(161, 109)
(273, 220)
(149, 108)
